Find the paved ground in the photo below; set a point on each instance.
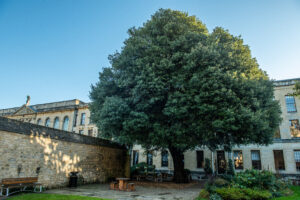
(141, 193)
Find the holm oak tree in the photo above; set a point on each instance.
(174, 85)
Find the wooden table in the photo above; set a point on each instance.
(122, 183)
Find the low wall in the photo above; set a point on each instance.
(28, 150)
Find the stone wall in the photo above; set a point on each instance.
(28, 150)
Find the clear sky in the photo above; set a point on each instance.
(53, 50)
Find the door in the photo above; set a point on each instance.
(221, 162)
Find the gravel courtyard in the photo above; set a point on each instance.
(143, 191)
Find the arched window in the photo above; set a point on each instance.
(56, 123)
(66, 123)
(39, 122)
(47, 122)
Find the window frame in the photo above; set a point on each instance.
(135, 157)
(241, 164)
(47, 122)
(200, 159)
(64, 122)
(293, 104)
(39, 122)
(294, 128)
(82, 119)
(297, 162)
(256, 162)
(56, 119)
(147, 157)
(164, 162)
(276, 162)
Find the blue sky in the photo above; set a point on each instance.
(53, 50)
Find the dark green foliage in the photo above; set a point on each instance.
(263, 180)
(243, 194)
(219, 182)
(141, 168)
(204, 194)
(230, 169)
(297, 89)
(249, 184)
(174, 85)
(207, 167)
(215, 197)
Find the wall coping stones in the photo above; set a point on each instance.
(12, 125)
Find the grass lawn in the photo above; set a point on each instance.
(52, 197)
(296, 195)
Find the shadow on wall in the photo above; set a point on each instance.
(52, 160)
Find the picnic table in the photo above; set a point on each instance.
(122, 183)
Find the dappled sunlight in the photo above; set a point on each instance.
(53, 156)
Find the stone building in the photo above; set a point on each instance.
(283, 156)
(71, 115)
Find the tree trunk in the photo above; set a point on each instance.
(180, 175)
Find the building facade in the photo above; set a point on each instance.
(71, 115)
(283, 156)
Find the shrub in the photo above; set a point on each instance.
(257, 194)
(141, 168)
(204, 194)
(231, 193)
(219, 182)
(263, 180)
(243, 194)
(215, 197)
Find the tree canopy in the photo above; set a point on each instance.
(175, 85)
(296, 89)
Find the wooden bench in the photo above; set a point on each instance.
(130, 187)
(114, 185)
(22, 183)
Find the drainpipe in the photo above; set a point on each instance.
(212, 162)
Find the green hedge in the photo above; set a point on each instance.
(243, 194)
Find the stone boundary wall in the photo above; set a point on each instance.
(29, 150)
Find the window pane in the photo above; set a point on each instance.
(200, 159)
(297, 159)
(238, 159)
(66, 124)
(294, 128)
(47, 122)
(135, 157)
(82, 122)
(164, 159)
(279, 160)
(56, 123)
(290, 104)
(256, 162)
(149, 158)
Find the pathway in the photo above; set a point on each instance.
(141, 193)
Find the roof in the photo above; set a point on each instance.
(46, 107)
(286, 82)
